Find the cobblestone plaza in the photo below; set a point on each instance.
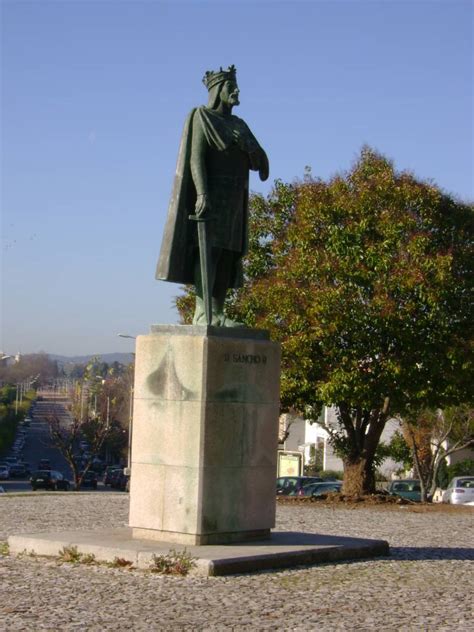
(426, 584)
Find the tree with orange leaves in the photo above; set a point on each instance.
(366, 280)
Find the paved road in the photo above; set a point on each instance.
(38, 444)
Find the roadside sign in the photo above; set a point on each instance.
(289, 463)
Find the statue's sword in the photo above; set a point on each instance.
(205, 264)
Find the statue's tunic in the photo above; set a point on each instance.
(228, 193)
(227, 164)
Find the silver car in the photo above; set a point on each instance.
(460, 491)
(4, 472)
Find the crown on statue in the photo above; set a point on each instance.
(212, 78)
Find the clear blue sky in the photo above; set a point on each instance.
(94, 96)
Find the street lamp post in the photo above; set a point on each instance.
(16, 400)
(130, 417)
(130, 429)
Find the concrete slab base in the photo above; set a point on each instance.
(281, 550)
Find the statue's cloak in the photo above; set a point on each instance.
(178, 247)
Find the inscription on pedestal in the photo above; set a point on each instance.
(245, 358)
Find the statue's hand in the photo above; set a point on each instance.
(264, 167)
(259, 162)
(202, 205)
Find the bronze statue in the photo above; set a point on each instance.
(205, 235)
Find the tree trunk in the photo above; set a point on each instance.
(363, 429)
(359, 477)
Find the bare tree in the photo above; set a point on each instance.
(434, 435)
(286, 422)
(66, 432)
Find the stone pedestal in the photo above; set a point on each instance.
(205, 434)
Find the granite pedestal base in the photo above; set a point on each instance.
(205, 433)
(282, 550)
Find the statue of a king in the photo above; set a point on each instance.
(205, 236)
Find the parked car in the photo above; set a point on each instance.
(120, 480)
(26, 465)
(44, 464)
(318, 489)
(406, 488)
(98, 465)
(459, 491)
(89, 479)
(116, 478)
(48, 479)
(4, 472)
(290, 485)
(109, 473)
(18, 470)
(123, 482)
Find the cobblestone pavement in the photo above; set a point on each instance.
(426, 584)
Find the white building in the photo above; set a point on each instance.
(300, 435)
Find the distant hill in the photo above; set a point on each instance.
(122, 358)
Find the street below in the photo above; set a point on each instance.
(39, 444)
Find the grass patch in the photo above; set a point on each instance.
(4, 548)
(173, 563)
(71, 555)
(120, 562)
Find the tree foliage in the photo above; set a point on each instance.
(11, 412)
(366, 280)
(399, 451)
(38, 365)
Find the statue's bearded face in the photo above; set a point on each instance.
(229, 93)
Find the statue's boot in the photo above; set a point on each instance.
(199, 317)
(228, 322)
(200, 313)
(219, 319)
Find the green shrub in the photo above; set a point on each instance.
(447, 472)
(325, 474)
(462, 468)
(8, 417)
